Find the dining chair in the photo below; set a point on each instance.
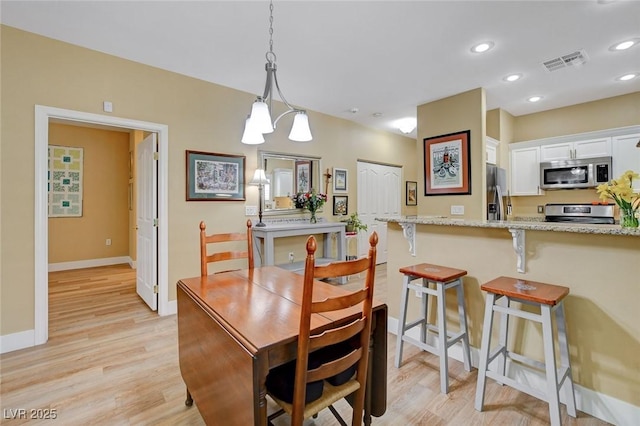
(218, 256)
(331, 362)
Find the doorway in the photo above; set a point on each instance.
(379, 194)
(43, 115)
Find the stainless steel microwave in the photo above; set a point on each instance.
(570, 174)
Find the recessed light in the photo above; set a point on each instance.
(534, 98)
(627, 77)
(512, 77)
(624, 45)
(482, 47)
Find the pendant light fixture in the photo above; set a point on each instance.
(259, 122)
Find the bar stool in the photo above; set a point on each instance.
(444, 278)
(549, 298)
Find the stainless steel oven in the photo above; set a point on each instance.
(570, 174)
(579, 213)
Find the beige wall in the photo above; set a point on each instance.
(619, 111)
(105, 211)
(201, 116)
(601, 271)
(465, 111)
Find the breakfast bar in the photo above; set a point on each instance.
(599, 263)
(517, 229)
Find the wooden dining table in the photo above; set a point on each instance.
(233, 327)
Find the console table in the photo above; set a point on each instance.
(264, 242)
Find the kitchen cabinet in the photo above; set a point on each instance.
(525, 171)
(626, 156)
(491, 156)
(600, 147)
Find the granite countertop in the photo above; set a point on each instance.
(534, 224)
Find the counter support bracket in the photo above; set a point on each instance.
(519, 247)
(409, 232)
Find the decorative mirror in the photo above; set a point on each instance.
(288, 174)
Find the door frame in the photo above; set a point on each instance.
(43, 114)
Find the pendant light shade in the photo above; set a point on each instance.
(300, 131)
(260, 118)
(251, 135)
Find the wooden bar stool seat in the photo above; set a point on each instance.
(549, 299)
(444, 278)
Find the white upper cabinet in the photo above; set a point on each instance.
(626, 156)
(525, 171)
(590, 148)
(491, 156)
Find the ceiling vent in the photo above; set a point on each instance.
(578, 57)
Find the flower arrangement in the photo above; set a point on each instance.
(621, 191)
(311, 201)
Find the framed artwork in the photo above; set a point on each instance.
(340, 205)
(302, 178)
(412, 193)
(215, 177)
(340, 183)
(447, 166)
(65, 181)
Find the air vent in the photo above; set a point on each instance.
(578, 57)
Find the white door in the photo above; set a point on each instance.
(147, 214)
(379, 194)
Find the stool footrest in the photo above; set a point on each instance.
(451, 340)
(517, 385)
(562, 372)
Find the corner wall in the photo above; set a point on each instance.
(465, 111)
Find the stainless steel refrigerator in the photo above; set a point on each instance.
(496, 192)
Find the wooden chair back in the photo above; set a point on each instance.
(356, 333)
(218, 256)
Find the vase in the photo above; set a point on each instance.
(628, 218)
(313, 217)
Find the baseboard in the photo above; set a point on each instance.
(172, 308)
(601, 406)
(89, 263)
(17, 341)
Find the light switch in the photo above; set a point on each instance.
(107, 106)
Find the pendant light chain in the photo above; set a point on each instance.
(271, 57)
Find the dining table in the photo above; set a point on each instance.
(234, 326)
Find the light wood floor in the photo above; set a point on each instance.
(111, 361)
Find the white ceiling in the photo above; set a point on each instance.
(378, 56)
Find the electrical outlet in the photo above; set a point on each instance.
(291, 257)
(457, 210)
(540, 209)
(108, 242)
(250, 210)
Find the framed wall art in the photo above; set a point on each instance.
(447, 164)
(412, 193)
(340, 183)
(302, 178)
(65, 181)
(215, 177)
(340, 205)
